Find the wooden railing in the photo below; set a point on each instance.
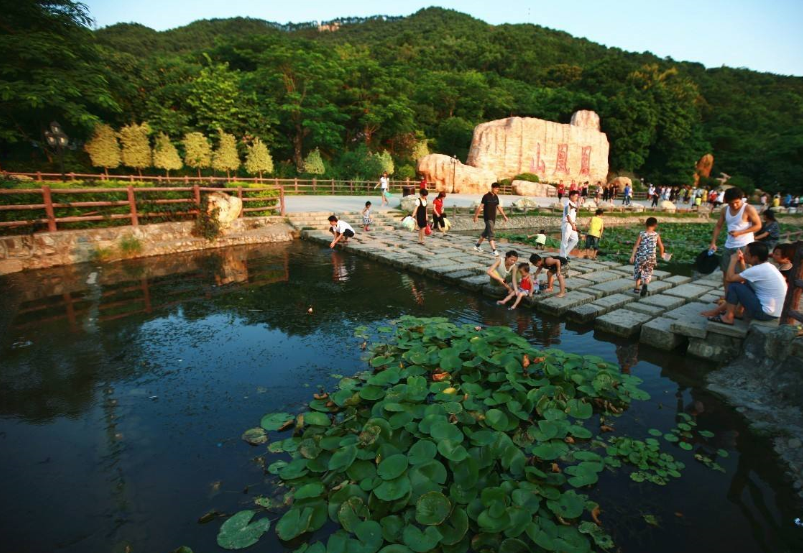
(60, 198)
(790, 313)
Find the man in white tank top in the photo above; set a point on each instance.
(742, 221)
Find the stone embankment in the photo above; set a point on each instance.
(52, 249)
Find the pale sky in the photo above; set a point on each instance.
(761, 35)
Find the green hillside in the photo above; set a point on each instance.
(397, 83)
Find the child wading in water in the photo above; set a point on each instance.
(366, 217)
(523, 289)
(643, 257)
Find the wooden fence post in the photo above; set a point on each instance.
(39, 176)
(132, 202)
(295, 184)
(333, 187)
(51, 216)
(281, 200)
(196, 191)
(130, 178)
(240, 195)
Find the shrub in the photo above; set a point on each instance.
(406, 172)
(130, 245)
(207, 225)
(530, 177)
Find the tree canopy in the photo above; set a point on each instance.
(401, 84)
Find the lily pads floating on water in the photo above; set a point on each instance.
(239, 532)
(407, 457)
(255, 436)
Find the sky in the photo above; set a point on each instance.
(761, 35)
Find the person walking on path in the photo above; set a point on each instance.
(595, 228)
(742, 221)
(628, 195)
(438, 215)
(759, 291)
(643, 257)
(384, 184)
(568, 230)
(489, 206)
(420, 214)
(501, 272)
(366, 217)
(561, 190)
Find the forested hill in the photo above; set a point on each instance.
(398, 83)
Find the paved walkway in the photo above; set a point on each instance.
(339, 204)
(598, 292)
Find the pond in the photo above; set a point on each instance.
(124, 390)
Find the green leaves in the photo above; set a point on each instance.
(432, 508)
(255, 436)
(274, 421)
(239, 532)
(392, 467)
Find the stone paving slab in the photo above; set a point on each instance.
(475, 282)
(710, 297)
(615, 301)
(658, 334)
(614, 286)
(586, 312)
(737, 330)
(645, 308)
(575, 283)
(457, 275)
(622, 322)
(688, 321)
(678, 279)
(558, 306)
(687, 291)
(602, 276)
(667, 302)
(494, 291)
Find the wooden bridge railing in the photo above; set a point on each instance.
(790, 314)
(61, 198)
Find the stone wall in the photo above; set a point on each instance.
(765, 384)
(51, 249)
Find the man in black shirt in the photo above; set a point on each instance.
(489, 205)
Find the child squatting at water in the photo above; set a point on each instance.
(341, 229)
(524, 288)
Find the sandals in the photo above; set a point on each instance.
(637, 290)
(718, 319)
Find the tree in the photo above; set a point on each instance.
(257, 158)
(103, 148)
(217, 100)
(136, 146)
(165, 155)
(225, 157)
(49, 69)
(386, 162)
(421, 149)
(197, 151)
(314, 163)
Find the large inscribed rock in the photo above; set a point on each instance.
(439, 170)
(553, 151)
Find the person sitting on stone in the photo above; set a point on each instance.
(553, 265)
(501, 272)
(759, 291)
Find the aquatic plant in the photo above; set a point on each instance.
(458, 438)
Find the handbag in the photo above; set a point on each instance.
(428, 229)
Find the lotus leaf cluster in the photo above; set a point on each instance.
(458, 438)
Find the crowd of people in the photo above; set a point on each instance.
(752, 284)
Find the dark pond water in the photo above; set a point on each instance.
(124, 391)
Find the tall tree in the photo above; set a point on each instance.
(48, 69)
(225, 157)
(197, 151)
(165, 154)
(258, 159)
(136, 146)
(103, 148)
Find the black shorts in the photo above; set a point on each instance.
(347, 233)
(592, 242)
(554, 268)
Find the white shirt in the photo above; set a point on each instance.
(342, 226)
(736, 222)
(383, 183)
(569, 213)
(769, 285)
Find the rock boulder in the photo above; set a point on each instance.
(228, 207)
(527, 188)
(439, 169)
(620, 183)
(704, 165)
(553, 151)
(667, 206)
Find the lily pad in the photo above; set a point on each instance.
(421, 542)
(432, 508)
(274, 421)
(422, 451)
(392, 467)
(239, 532)
(255, 436)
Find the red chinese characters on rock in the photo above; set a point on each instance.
(561, 164)
(585, 161)
(537, 164)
